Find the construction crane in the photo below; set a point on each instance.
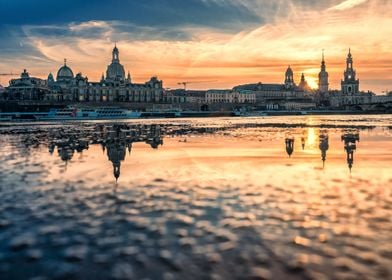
(185, 84)
(8, 74)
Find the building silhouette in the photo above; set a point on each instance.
(323, 83)
(289, 146)
(350, 139)
(350, 84)
(116, 140)
(115, 87)
(303, 84)
(323, 145)
(289, 78)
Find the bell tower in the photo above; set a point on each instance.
(350, 85)
(289, 78)
(323, 77)
(115, 54)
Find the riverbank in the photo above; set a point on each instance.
(40, 116)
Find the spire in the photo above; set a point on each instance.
(116, 56)
(349, 60)
(65, 62)
(323, 57)
(349, 56)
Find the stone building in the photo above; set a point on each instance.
(323, 83)
(2, 92)
(230, 96)
(282, 96)
(303, 84)
(350, 84)
(349, 94)
(115, 87)
(27, 88)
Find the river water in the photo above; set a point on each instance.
(221, 198)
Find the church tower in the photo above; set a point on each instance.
(303, 84)
(323, 83)
(289, 78)
(350, 85)
(115, 71)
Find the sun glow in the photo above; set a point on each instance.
(312, 82)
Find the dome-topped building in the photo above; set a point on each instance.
(115, 71)
(114, 86)
(65, 73)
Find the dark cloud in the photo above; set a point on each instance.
(156, 13)
(112, 31)
(15, 42)
(140, 20)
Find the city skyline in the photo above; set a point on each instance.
(251, 41)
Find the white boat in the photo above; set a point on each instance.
(73, 113)
(250, 114)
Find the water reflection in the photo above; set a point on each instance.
(289, 145)
(324, 144)
(212, 198)
(115, 140)
(350, 138)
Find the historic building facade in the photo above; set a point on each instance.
(115, 87)
(282, 96)
(27, 88)
(350, 94)
(230, 96)
(350, 84)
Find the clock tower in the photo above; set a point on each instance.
(323, 78)
(350, 85)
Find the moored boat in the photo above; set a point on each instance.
(73, 113)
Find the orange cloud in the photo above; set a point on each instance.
(261, 54)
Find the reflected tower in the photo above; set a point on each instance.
(116, 146)
(289, 146)
(324, 145)
(350, 139)
(116, 140)
(116, 153)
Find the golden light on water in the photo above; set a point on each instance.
(311, 136)
(239, 189)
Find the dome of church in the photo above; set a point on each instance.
(65, 73)
(115, 71)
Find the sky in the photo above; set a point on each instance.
(208, 43)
